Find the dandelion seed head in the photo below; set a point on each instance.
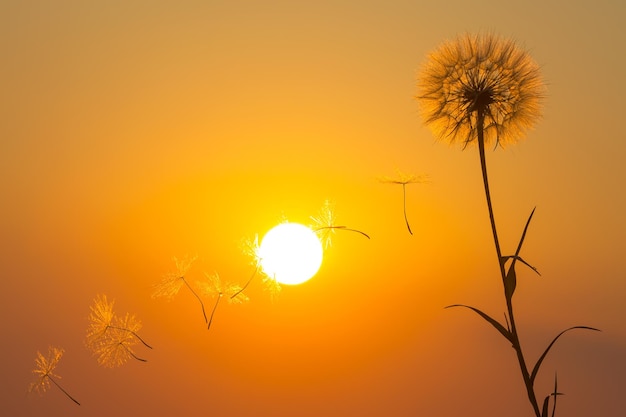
(250, 248)
(214, 286)
(480, 76)
(272, 286)
(110, 337)
(211, 285)
(130, 323)
(114, 347)
(171, 283)
(44, 367)
(324, 223)
(239, 298)
(403, 178)
(100, 318)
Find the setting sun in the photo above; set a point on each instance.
(290, 253)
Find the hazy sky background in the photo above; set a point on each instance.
(135, 131)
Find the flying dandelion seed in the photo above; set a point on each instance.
(172, 282)
(480, 84)
(324, 224)
(405, 179)
(271, 285)
(110, 338)
(214, 287)
(44, 371)
(101, 319)
(114, 347)
(250, 248)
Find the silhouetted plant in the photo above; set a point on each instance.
(109, 337)
(44, 370)
(477, 89)
(403, 180)
(172, 282)
(324, 224)
(213, 286)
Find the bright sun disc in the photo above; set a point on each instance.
(290, 253)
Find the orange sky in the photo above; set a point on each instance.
(133, 132)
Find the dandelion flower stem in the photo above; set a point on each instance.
(516, 343)
(61, 388)
(483, 166)
(198, 297)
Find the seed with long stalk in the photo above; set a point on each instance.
(324, 224)
(172, 282)
(101, 319)
(250, 248)
(114, 346)
(403, 180)
(252, 252)
(110, 338)
(242, 289)
(214, 287)
(44, 367)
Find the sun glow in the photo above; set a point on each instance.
(290, 253)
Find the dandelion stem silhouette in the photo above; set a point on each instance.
(477, 89)
(44, 371)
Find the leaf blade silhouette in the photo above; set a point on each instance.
(496, 324)
(533, 374)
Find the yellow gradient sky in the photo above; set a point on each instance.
(135, 131)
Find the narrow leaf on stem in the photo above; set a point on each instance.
(533, 375)
(490, 320)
